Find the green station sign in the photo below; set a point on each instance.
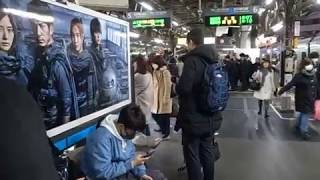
(232, 20)
(151, 23)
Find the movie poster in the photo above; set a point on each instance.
(72, 60)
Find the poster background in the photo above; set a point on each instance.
(115, 46)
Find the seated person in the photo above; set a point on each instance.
(109, 153)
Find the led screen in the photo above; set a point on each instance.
(72, 60)
(151, 23)
(232, 20)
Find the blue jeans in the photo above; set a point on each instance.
(303, 122)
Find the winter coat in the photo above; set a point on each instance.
(306, 92)
(107, 156)
(268, 87)
(190, 117)
(24, 148)
(144, 93)
(162, 102)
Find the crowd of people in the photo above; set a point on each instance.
(110, 152)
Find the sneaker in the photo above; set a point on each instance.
(306, 136)
(166, 138)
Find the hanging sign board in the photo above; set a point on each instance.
(150, 19)
(231, 20)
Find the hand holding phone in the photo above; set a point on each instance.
(149, 153)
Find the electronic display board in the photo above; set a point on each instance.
(151, 23)
(232, 20)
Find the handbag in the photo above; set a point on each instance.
(255, 85)
(317, 110)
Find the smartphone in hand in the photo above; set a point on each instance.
(149, 153)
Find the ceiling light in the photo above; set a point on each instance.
(178, 46)
(277, 27)
(261, 11)
(184, 28)
(175, 23)
(134, 35)
(318, 1)
(29, 15)
(147, 6)
(268, 2)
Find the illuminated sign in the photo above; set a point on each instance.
(232, 20)
(151, 23)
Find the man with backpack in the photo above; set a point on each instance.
(203, 93)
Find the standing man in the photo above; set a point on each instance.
(83, 68)
(197, 127)
(50, 81)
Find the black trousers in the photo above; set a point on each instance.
(233, 82)
(163, 120)
(199, 153)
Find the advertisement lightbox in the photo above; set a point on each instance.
(73, 61)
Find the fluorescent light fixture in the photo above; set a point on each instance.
(318, 1)
(175, 23)
(277, 27)
(268, 2)
(184, 28)
(147, 6)
(209, 40)
(228, 49)
(29, 15)
(134, 35)
(182, 41)
(157, 40)
(178, 46)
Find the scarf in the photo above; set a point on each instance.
(308, 73)
(9, 65)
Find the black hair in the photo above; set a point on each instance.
(242, 55)
(12, 50)
(314, 55)
(95, 27)
(227, 57)
(196, 35)
(133, 118)
(39, 7)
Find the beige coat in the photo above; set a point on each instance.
(267, 89)
(162, 102)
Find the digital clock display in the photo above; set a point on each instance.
(232, 20)
(151, 23)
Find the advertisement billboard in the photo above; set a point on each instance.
(73, 61)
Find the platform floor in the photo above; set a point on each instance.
(272, 152)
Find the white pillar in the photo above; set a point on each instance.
(245, 39)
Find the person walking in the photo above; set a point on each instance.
(265, 77)
(198, 127)
(162, 104)
(143, 89)
(306, 92)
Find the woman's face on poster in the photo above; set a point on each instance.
(97, 38)
(6, 33)
(77, 38)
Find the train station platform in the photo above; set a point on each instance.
(252, 147)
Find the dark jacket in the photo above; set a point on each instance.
(24, 148)
(85, 80)
(52, 86)
(306, 92)
(190, 117)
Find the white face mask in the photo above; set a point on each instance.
(155, 66)
(309, 67)
(315, 60)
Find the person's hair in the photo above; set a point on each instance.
(78, 23)
(196, 35)
(133, 118)
(304, 62)
(39, 7)
(314, 55)
(95, 27)
(227, 57)
(12, 50)
(142, 65)
(268, 61)
(159, 60)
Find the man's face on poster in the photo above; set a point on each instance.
(97, 38)
(6, 34)
(77, 38)
(44, 32)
